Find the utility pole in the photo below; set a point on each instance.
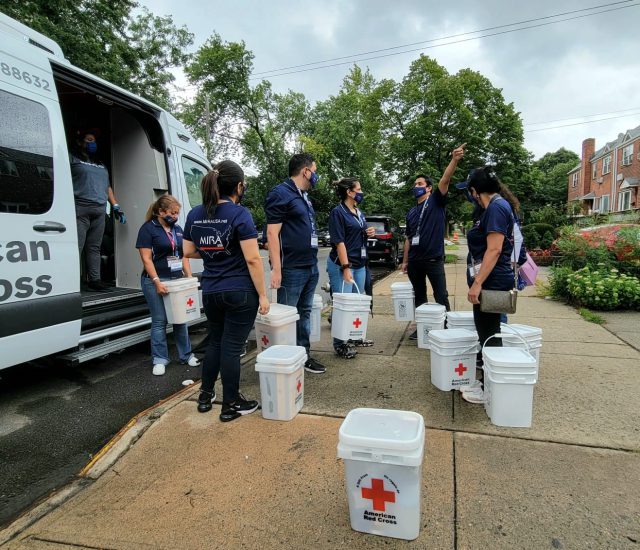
(207, 121)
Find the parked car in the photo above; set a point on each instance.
(388, 243)
(324, 239)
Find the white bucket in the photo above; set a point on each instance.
(278, 327)
(532, 335)
(182, 304)
(423, 328)
(350, 316)
(460, 318)
(510, 361)
(281, 381)
(382, 452)
(316, 319)
(509, 399)
(403, 301)
(453, 358)
(428, 317)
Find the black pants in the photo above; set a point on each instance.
(433, 269)
(487, 324)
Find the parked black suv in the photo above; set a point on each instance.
(388, 243)
(324, 239)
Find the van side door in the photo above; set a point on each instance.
(40, 302)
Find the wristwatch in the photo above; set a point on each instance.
(345, 266)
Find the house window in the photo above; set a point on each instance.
(606, 165)
(596, 204)
(627, 155)
(594, 170)
(624, 200)
(8, 168)
(604, 204)
(574, 181)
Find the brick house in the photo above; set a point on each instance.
(607, 180)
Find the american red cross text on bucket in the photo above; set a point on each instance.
(460, 369)
(378, 495)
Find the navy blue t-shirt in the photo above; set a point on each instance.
(287, 205)
(497, 218)
(217, 239)
(350, 229)
(152, 235)
(431, 228)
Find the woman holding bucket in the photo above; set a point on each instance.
(346, 264)
(223, 234)
(490, 265)
(160, 246)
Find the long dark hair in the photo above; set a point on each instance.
(222, 180)
(343, 185)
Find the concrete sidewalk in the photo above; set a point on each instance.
(180, 479)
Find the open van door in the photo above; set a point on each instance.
(40, 302)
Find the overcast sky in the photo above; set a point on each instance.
(560, 73)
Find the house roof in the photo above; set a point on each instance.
(588, 196)
(574, 169)
(630, 182)
(628, 136)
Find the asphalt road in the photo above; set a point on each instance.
(53, 419)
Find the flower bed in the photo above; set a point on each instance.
(541, 257)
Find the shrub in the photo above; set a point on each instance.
(547, 240)
(576, 251)
(559, 282)
(603, 289)
(534, 235)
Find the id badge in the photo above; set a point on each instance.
(415, 240)
(314, 241)
(473, 272)
(363, 252)
(175, 266)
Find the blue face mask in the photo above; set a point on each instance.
(419, 192)
(170, 220)
(91, 147)
(470, 198)
(358, 198)
(313, 180)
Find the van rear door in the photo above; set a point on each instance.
(40, 302)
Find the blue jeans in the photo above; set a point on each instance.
(336, 281)
(296, 289)
(231, 315)
(159, 349)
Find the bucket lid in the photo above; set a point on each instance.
(435, 310)
(383, 429)
(498, 378)
(277, 312)
(281, 355)
(507, 357)
(525, 331)
(453, 335)
(181, 284)
(401, 286)
(460, 315)
(351, 299)
(317, 299)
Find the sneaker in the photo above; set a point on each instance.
(205, 400)
(97, 286)
(240, 407)
(413, 335)
(158, 370)
(363, 343)
(473, 393)
(314, 367)
(346, 351)
(193, 361)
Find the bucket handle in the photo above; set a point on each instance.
(354, 284)
(501, 335)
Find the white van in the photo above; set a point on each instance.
(43, 98)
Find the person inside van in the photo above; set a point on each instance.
(160, 246)
(92, 191)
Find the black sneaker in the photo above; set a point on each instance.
(205, 400)
(97, 286)
(346, 351)
(363, 343)
(240, 407)
(314, 367)
(413, 335)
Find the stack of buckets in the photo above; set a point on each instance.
(531, 335)
(510, 374)
(461, 319)
(350, 316)
(278, 327)
(403, 301)
(453, 358)
(316, 319)
(281, 370)
(429, 317)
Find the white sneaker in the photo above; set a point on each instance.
(158, 370)
(474, 386)
(193, 361)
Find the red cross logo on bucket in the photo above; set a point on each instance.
(460, 369)
(298, 386)
(190, 302)
(265, 340)
(357, 322)
(378, 495)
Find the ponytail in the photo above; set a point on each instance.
(343, 185)
(223, 180)
(165, 202)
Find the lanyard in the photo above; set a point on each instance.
(307, 203)
(424, 207)
(172, 239)
(357, 216)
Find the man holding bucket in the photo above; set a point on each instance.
(424, 243)
(293, 246)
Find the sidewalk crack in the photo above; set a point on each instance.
(455, 495)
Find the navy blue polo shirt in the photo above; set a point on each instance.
(287, 205)
(350, 229)
(497, 218)
(431, 230)
(217, 239)
(152, 235)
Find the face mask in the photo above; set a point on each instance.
(358, 198)
(419, 192)
(470, 198)
(91, 147)
(170, 220)
(313, 179)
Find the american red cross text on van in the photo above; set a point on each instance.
(24, 287)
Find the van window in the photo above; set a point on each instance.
(26, 156)
(193, 173)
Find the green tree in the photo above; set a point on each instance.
(103, 37)
(550, 189)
